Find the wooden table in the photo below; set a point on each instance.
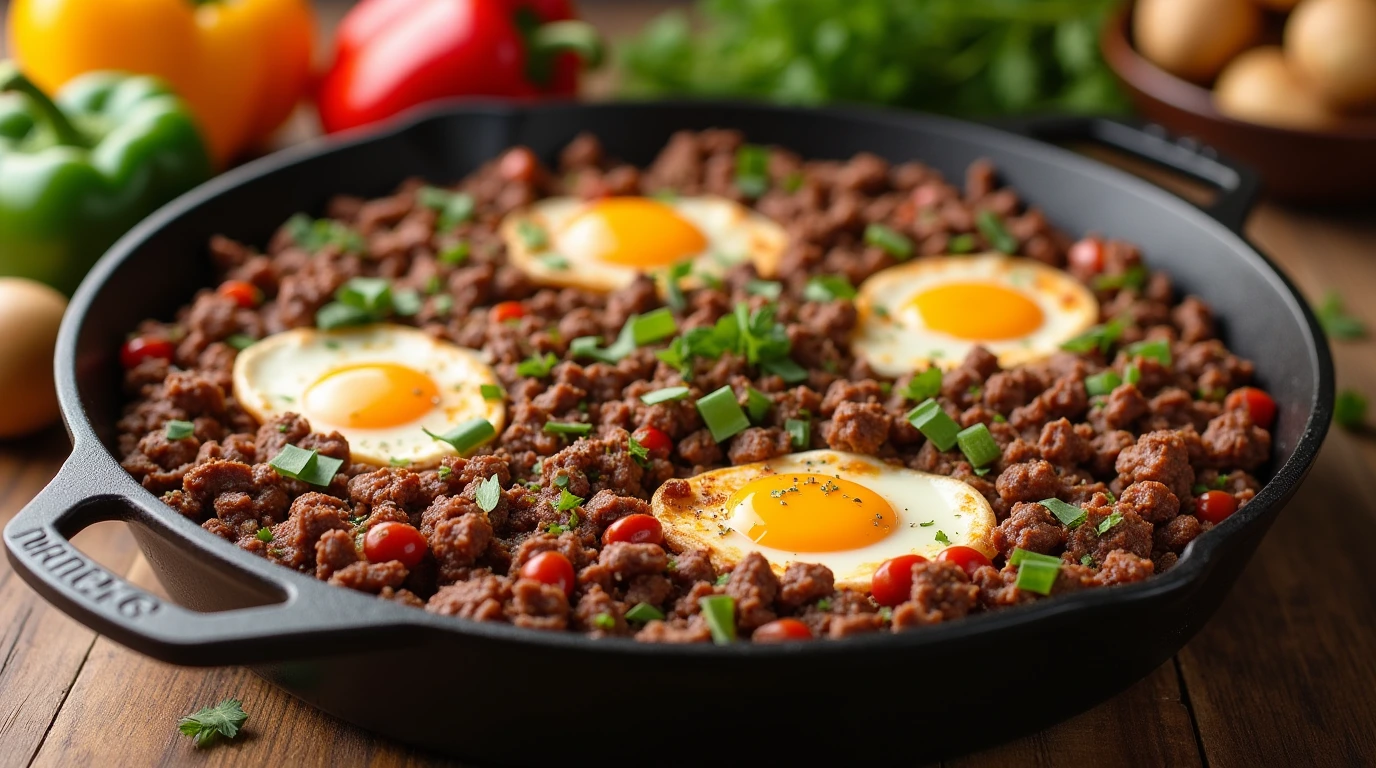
(1283, 674)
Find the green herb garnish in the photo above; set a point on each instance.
(1336, 322)
(720, 613)
(1349, 410)
(468, 435)
(488, 493)
(799, 433)
(935, 424)
(665, 395)
(644, 613)
(567, 428)
(307, 466)
(889, 240)
(208, 724)
(1070, 515)
(180, 430)
(828, 288)
(722, 414)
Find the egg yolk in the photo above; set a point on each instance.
(803, 512)
(978, 311)
(632, 232)
(371, 396)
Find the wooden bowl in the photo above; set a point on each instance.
(1299, 166)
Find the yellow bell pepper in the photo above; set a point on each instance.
(242, 65)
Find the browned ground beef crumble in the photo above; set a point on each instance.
(1137, 452)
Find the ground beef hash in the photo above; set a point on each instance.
(1138, 453)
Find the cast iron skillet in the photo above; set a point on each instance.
(496, 693)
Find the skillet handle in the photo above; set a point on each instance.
(1237, 185)
(38, 544)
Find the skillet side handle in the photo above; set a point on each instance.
(1237, 185)
(37, 542)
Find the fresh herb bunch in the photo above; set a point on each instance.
(967, 57)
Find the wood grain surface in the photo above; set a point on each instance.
(1282, 675)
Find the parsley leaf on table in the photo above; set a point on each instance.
(206, 725)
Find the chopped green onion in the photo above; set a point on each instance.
(1100, 337)
(554, 261)
(444, 471)
(1070, 515)
(1087, 560)
(456, 254)
(1131, 373)
(673, 291)
(1021, 556)
(722, 414)
(491, 392)
(443, 304)
(991, 226)
(757, 404)
(1336, 322)
(1156, 349)
(395, 462)
(567, 428)
(720, 613)
(1037, 576)
(828, 288)
(241, 341)
(665, 395)
(604, 621)
(982, 471)
(941, 538)
(961, 244)
(978, 445)
(794, 181)
(454, 207)
(532, 235)
(590, 347)
(924, 385)
(1133, 277)
(767, 288)
(263, 534)
(891, 241)
(434, 285)
(653, 326)
(1113, 519)
(927, 524)
(307, 466)
(799, 433)
(488, 493)
(752, 170)
(933, 422)
(468, 435)
(180, 430)
(722, 579)
(1102, 383)
(786, 369)
(337, 315)
(406, 303)
(644, 613)
(537, 367)
(1349, 410)
(315, 234)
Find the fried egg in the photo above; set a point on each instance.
(932, 311)
(381, 386)
(602, 245)
(843, 510)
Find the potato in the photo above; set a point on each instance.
(30, 313)
(1195, 38)
(1332, 43)
(1260, 87)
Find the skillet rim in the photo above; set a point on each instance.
(1188, 574)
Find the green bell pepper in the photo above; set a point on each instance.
(78, 172)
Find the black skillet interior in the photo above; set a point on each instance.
(483, 691)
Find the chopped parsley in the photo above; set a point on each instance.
(1113, 519)
(824, 605)
(1349, 410)
(1133, 277)
(180, 430)
(456, 254)
(639, 452)
(491, 392)
(263, 534)
(208, 724)
(532, 235)
(1087, 561)
(566, 502)
(444, 471)
(941, 538)
(1336, 322)
(364, 300)
(488, 493)
(454, 208)
(604, 621)
(722, 579)
(314, 235)
(673, 292)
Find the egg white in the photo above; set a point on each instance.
(925, 504)
(735, 235)
(893, 338)
(272, 376)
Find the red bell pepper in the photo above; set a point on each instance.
(391, 55)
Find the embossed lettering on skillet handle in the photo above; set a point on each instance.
(37, 542)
